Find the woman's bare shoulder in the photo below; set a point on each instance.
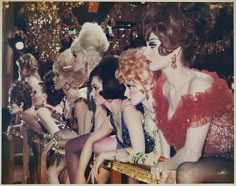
(200, 83)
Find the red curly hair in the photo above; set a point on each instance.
(133, 68)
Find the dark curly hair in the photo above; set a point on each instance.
(20, 92)
(54, 97)
(105, 71)
(179, 24)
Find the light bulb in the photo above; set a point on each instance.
(19, 45)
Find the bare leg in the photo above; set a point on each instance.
(73, 149)
(54, 171)
(132, 180)
(207, 170)
(105, 144)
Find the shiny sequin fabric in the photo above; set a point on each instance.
(60, 120)
(215, 105)
(149, 141)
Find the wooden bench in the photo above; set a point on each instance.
(139, 172)
(20, 132)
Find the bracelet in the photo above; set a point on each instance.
(136, 157)
(163, 159)
(55, 142)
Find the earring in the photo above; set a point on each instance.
(66, 86)
(173, 62)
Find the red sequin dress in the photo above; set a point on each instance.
(215, 104)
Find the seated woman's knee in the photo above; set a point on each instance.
(185, 173)
(69, 146)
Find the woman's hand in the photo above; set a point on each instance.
(54, 170)
(56, 167)
(96, 166)
(122, 155)
(81, 180)
(160, 172)
(48, 147)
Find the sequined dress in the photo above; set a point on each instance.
(73, 122)
(215, 104)
(59, 119)
(126, 142)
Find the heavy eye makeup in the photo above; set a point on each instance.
(35, 92)
(95, 87)
(56, 74)
(129, 85)
(153, 43)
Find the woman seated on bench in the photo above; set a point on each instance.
(123, 118)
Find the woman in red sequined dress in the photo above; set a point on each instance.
(194, 109)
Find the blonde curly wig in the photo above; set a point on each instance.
(133, 68)
(29, 62)
(65, 65)
(90, 44)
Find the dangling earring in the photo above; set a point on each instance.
(173, 62)
(66, 86)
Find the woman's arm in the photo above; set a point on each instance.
(141, 158)
(30, 119)
(81, 109)
(165, 147)
(100, 113)
(151, 158)
(45, 117)
(88, 122)
(86, 153)
(133, 120)
(192, 150)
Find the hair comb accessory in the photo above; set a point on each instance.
(68, 67)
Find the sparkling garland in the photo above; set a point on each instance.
(218, 46)
(71, 26)
(121, 36)
(44, 29)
